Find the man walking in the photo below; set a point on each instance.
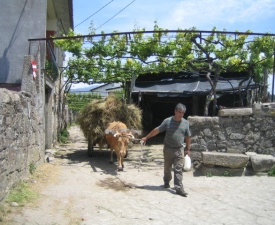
(177, 143)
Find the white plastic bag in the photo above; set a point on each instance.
(187, 163)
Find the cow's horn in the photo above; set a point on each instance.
(131, 136)
(116, 134)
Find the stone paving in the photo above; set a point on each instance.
(89, 191)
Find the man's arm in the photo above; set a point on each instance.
(153, 133)
(188, 145)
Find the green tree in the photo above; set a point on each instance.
(120, 57)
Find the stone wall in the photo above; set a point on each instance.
(235, 131)
(22, 136)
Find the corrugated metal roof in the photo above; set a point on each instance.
(190, 86)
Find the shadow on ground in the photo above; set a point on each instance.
(100, 162)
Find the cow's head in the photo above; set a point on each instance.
(123, 140)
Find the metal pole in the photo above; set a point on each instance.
(273, 79)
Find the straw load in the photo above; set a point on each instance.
(95, 117)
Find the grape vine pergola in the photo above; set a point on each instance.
(122, 56)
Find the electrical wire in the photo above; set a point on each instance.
(115, 14)
(94, 13)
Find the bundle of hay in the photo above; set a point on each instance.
(95, 117)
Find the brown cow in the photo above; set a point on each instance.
(118, 136)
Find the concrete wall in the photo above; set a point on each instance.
(235, 131)
(22, 133)
(20, 21)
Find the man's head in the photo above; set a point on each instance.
(180, 107)
(179, 111)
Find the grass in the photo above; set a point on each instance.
(3, 213)
(22, 194)
(227, 174)
(224, 174)
(209, 174)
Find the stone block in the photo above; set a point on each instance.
(196, 156)
(264, 109)
(203, 120)
(236, 112)
(262, 163)
(235, 150)
(230, 160)
(5, 95)
(221, 171)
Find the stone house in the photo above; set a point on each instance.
(29, 83)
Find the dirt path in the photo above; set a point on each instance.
(75, 189)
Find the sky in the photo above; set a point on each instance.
(257, 16)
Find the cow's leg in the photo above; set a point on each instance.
(121, 159)
(112, 159)
(90, 148)
(120, 162)
(123, 154)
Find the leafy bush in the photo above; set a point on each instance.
(32, 168)
(271, 172)
(64, 135)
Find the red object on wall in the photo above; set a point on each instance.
(34, 68)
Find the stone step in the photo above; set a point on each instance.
(262, 163)
(221, 171)
(235, 112)
(228, 160)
